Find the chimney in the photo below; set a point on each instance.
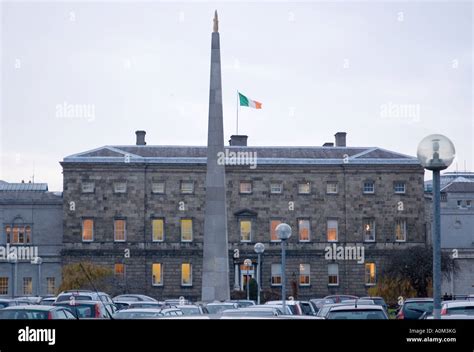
(328, 144)
(140, 137)
(340, 139)
(238, 141)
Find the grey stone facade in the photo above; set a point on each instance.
(140, 166)
(32, 208)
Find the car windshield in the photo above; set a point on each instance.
(465, 310)
(3, 304)
(356, 314)
(419, 306)
(82, 311)
(23, 314)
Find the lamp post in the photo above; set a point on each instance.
(248, 264)
(259, 248)
(38, 261)
(436, 152)
(13, 260)
(283, 232)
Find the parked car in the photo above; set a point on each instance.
(47, 301)
(359, 301)
(83, 295)
(242, 303)
(279, 307)
(340, 298)
(378, 300)
(218, 307)
(457, 308)
(358, 312)
(319, 302)
(35, 312)
(142, 313)
(297, 307)
(147, 304)
(30, 299)
(251, 312)
(191, 309)
(413, 308)
(324, 310)
(133, 298)
(88, 309)
(177, 302)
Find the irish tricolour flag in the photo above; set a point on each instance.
(244, 101)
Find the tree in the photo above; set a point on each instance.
(74, 277)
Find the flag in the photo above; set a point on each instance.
(244, 101)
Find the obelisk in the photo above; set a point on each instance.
(215, 267)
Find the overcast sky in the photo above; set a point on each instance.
(387, 73)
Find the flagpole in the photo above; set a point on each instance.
(237, 129)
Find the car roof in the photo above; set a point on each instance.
(221, 304)
(459, 303)
(353, 307)
(419, 300)
(288, 303)
(32, 307)
(141, 310)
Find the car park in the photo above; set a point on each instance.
(357, 312)
(35, 312)
(413, 308)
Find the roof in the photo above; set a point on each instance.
(34, 187)
(459, 185)
(265, 155)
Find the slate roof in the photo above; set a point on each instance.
(459, 185)
(13, 187)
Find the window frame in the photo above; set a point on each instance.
(373, 230)
(364, 191)
(27, 283)
(240, 230)
(242, 182)
(92, 229)
(4, 285)
(272, 275)
(276, 183)
(277, 240)
(299, 230)
(161, 274)
(368, 282)
(404, 230)
(300, 184)
(183, 190)
(181, 220)
(163, 234)
(156, 183)
(398, 183)
(124, 230)
(84, 189)
(117, 189)
(328, 220)
(301, 275)
(190, 275)
(50, 291)
(333, 265)
(332, 183)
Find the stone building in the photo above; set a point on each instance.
(149, 201)
(32, 228)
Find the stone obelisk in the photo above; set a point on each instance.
(215, 268)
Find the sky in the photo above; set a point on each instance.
(77, 76)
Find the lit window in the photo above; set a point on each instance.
(276, 274)
(51, 285)
(400, 230)
(370, 273)
(87, 230)
(304, 188)
(245, 187)
(3, 285)
(158, 187)
(304, 274)
(245, 230)
(187, 187)
(18, 234)
(120, 187)
(157, 274)
(399, 187)
(120, 232)
(27, 286)
(186, 230)
(276, 187)
(303, 230)
(88, 187)
(331, 188)
(369, 230)
(119, 271)
(158, 230)
(369, 187)
(332, 234)
(273, 234)
(333, 274)
(186, 274)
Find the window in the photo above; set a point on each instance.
(399, 187)
(3, 285)
(87, 230)
(332, 234)
(88, 187)
(186, 230)
(273, 235)
(468, 203)
(120, 187)
(245, 187)
(245, 230)
(119, 271)
(187, 187)
(303, 230)
(120, 232)
(331, 188)
(18, 234)
(276, 187)
(333, 274)
(158, 230)
(304, 274)
(51, 285)
(276, 274)
(304, 188)
(370, 273)
(157, 274)
(444, 197)
(27, 286)
(400, 230)
(369, 187)
(158, 187)
(186, 274)
(369, 230)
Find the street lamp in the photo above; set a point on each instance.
(259, 248)
(38, 261)
(248, 264)
(13, 260)
(436, 152)
(283, 232)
